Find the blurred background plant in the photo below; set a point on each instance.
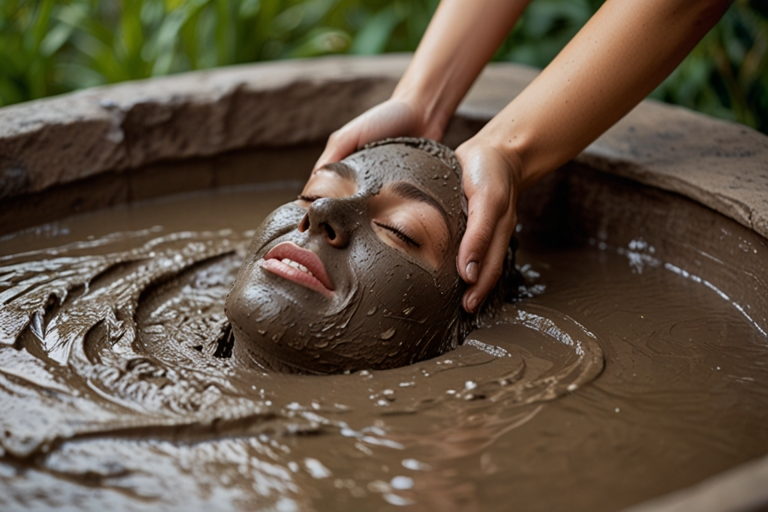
(49, 47)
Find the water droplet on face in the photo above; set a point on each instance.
(408, 311)
(372, 311)
(388, 334)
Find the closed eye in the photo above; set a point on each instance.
(308, 198)
(398, 232)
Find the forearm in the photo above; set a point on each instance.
(617, 59)
(461, 38)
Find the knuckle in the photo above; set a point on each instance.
(483, 235)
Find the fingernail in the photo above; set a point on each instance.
(472, 304)
(472, 272)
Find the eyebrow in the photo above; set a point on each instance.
(407, 190)
(343, 170)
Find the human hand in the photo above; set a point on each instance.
(393, 118)
(491, 180)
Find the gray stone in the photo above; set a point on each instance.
(115, 128)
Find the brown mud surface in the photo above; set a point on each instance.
(636, 364)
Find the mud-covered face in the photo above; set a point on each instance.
(359, 272)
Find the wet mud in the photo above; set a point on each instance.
(634, 365)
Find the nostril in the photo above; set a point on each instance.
(304, 224)
(329, 231)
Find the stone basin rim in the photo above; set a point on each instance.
(55, 141)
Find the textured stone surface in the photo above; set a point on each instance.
(58, 140)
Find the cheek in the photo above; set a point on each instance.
(281, 221)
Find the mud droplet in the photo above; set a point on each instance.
(316, 469)
(388, 334)
(401, 483)
(415, 465)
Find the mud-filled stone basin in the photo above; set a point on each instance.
(635, 364)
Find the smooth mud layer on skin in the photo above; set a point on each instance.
(634, 366)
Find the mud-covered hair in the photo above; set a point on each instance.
(506, 288)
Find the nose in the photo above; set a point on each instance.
(326, 217)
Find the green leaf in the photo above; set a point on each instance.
(376, 32)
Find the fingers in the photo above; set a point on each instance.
(392, 118)
(489, 184)
(484, 247)
(341, 143)
(491, 268)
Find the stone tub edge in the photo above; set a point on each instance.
(58, 140)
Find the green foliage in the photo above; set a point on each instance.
(49, 47)
(545, 28)
(726, 75)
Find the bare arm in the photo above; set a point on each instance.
(460, 40)
(616, 60)
(621, 55)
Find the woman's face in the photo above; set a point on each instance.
(359, 272)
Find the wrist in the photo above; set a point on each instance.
(424, 102)
(515, 140)
(482, 154)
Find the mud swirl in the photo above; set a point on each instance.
(127, 352)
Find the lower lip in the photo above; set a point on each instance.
(285, 271)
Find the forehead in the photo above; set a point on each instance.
(377, 166)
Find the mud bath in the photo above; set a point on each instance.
(636, 365)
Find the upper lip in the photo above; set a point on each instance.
(303, 256)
